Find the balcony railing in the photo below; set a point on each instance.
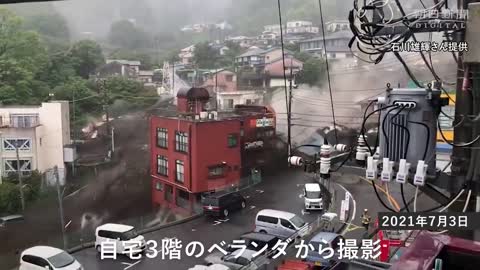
(21, 121)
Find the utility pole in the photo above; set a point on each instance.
(104, 89)
(74, 133)
(19, 174)
(289, 111)
(173, 78)
(113, 140)
(216, 88)
(60, 205)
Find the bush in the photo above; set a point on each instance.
(9, 198)
(10, 194)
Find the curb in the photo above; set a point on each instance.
(143, 231)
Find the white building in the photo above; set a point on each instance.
(301, 27)
(227, 100)
(273, 28)
(186, 55)
(127, 67)
(42, 135)
(337, 25)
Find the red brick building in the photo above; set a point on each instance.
(195, 151)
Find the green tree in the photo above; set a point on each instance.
(303, 56)
(228, 60)
(22, 58)
(88, 101)
(205, 56)
(313, 72)
(86, 57)
(126, 35)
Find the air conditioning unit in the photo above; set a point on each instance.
(203, 115)
(215, 115)
(211, 116)
(197, 117)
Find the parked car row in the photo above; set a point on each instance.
(44, 257)
(270, 227)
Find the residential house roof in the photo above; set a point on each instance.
(145, 73)
(252, 52)
(336, 35)
(190, 48)
(124, 62)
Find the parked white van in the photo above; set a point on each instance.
(313, 197)
(281, 224)
(124, 236)
(44, 257)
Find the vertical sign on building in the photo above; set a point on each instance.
(342, 211)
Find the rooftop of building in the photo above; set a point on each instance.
(344, 34)
(171, 112)
(124, 62)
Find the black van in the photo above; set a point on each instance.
(222, 203)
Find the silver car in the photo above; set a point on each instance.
(245, 260)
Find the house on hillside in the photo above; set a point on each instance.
(243, 41)
(336, 45)
(273, 28)
(274, 71)
(116, 67)
(186, 55)
(222, 85)
(337, 25)
(253, 57)
(145, 76)
(257, 66)
(301, 27)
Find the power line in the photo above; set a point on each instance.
(328, 69)
(284, 73)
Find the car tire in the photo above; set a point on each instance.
(225, 213)
(262, 231)
(244, 204)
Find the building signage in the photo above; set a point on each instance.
(265, 122)
(253, 145)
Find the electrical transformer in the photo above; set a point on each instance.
(408, 127)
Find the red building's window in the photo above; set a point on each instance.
(179, 171)
(183, 198)
(181, 141)
(232, 140)
(162, 165)
(168, 193)
(162, 137)
(216, 171)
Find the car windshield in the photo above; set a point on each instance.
(313, 194)
(297, 221)
(129, 234)
(61, 260)
(210, 201)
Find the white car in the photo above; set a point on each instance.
(43, 257)
(313, 196)
(238, 259)
(125, 239)
(210, 267)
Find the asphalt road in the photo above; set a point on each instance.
(282, 192)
